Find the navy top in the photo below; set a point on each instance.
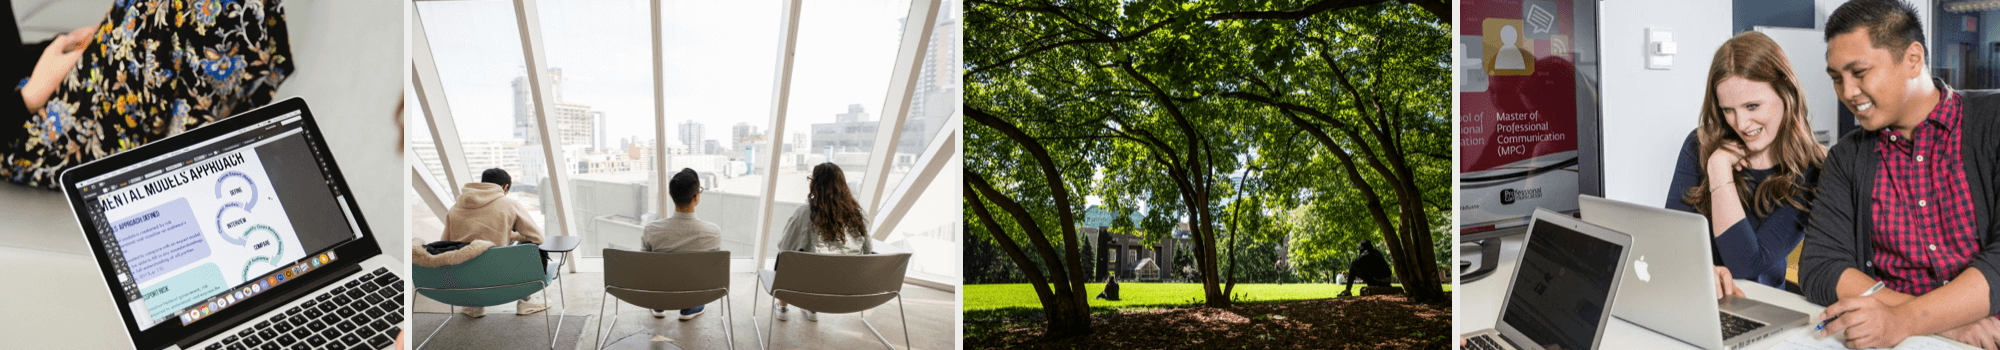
(1753, 248)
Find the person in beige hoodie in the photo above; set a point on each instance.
(485, 213)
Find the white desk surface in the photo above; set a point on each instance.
(1478, 307)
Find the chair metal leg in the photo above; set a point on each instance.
(878, 335)
(605, 299)
(901, 314)
(727, 319)
(774, 329)
(758, 331)
(565, 304)
(434, 332)
(545, 320)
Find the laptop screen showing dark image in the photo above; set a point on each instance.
(1560, 293)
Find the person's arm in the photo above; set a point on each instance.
(1827, 266)
(646, 234)
(1754, 252)
(1870, 322)
(524, 229)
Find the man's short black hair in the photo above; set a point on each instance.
(685, 185)
(1892, 24)
(496, 176)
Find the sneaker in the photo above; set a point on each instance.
(530, 306)
(780, 309)
(659, 314)
(689, 314)
(475, 312)
(810, 315)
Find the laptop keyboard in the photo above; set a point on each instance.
(1733, 326)
(1482, 342)
(361, 314)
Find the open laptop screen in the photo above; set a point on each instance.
(1560, 292)
(204, 227)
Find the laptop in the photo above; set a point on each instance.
(1561, 293)
(1678, 284)
(238, 235)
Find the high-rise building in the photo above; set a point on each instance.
(938, 90)
(574, 124)
(743, 134)
(691, 134)
(599, 140)
(524, 104)
(850, 132)
(711, 147)
(855, 113)
(937, 94)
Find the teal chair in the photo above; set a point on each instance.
(499, 276)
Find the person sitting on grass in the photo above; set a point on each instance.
(1370, 268)
(1110, 288)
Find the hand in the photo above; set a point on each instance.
(1868, 323)
(1725, 286)
(50, 70)
(1983, 334)
(84, 35)
(1731, 155)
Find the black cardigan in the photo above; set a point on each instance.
(1836, 232)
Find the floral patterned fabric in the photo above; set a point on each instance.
(156, 68)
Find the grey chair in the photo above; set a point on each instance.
(835, 284)
(666, 281)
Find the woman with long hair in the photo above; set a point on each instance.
(1751, 163)
(831, 222)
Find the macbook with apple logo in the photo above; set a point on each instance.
(1672, 283)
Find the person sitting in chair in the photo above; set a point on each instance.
(831, 222)
(485, 213)
(681, 231)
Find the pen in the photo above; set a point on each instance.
(1871, 291)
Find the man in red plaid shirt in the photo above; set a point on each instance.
(1909, 200)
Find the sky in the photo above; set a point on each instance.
(721, 60)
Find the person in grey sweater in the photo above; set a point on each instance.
(831, 222)
(1907, 201)
(681, 231)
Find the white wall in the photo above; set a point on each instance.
(1649, 112)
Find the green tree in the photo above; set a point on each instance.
(1154, 107)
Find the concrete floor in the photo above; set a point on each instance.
(932, 316)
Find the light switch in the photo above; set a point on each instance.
(1660, 48)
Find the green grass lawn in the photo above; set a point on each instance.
(1146, 295)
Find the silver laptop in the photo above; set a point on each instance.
(1561, 293)
(241, 234)
(1672, 282)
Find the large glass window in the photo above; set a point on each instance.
(477, 50)
(603, 51)
(846, 50)
(719, 73)
(932, 228)
(719, 78)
